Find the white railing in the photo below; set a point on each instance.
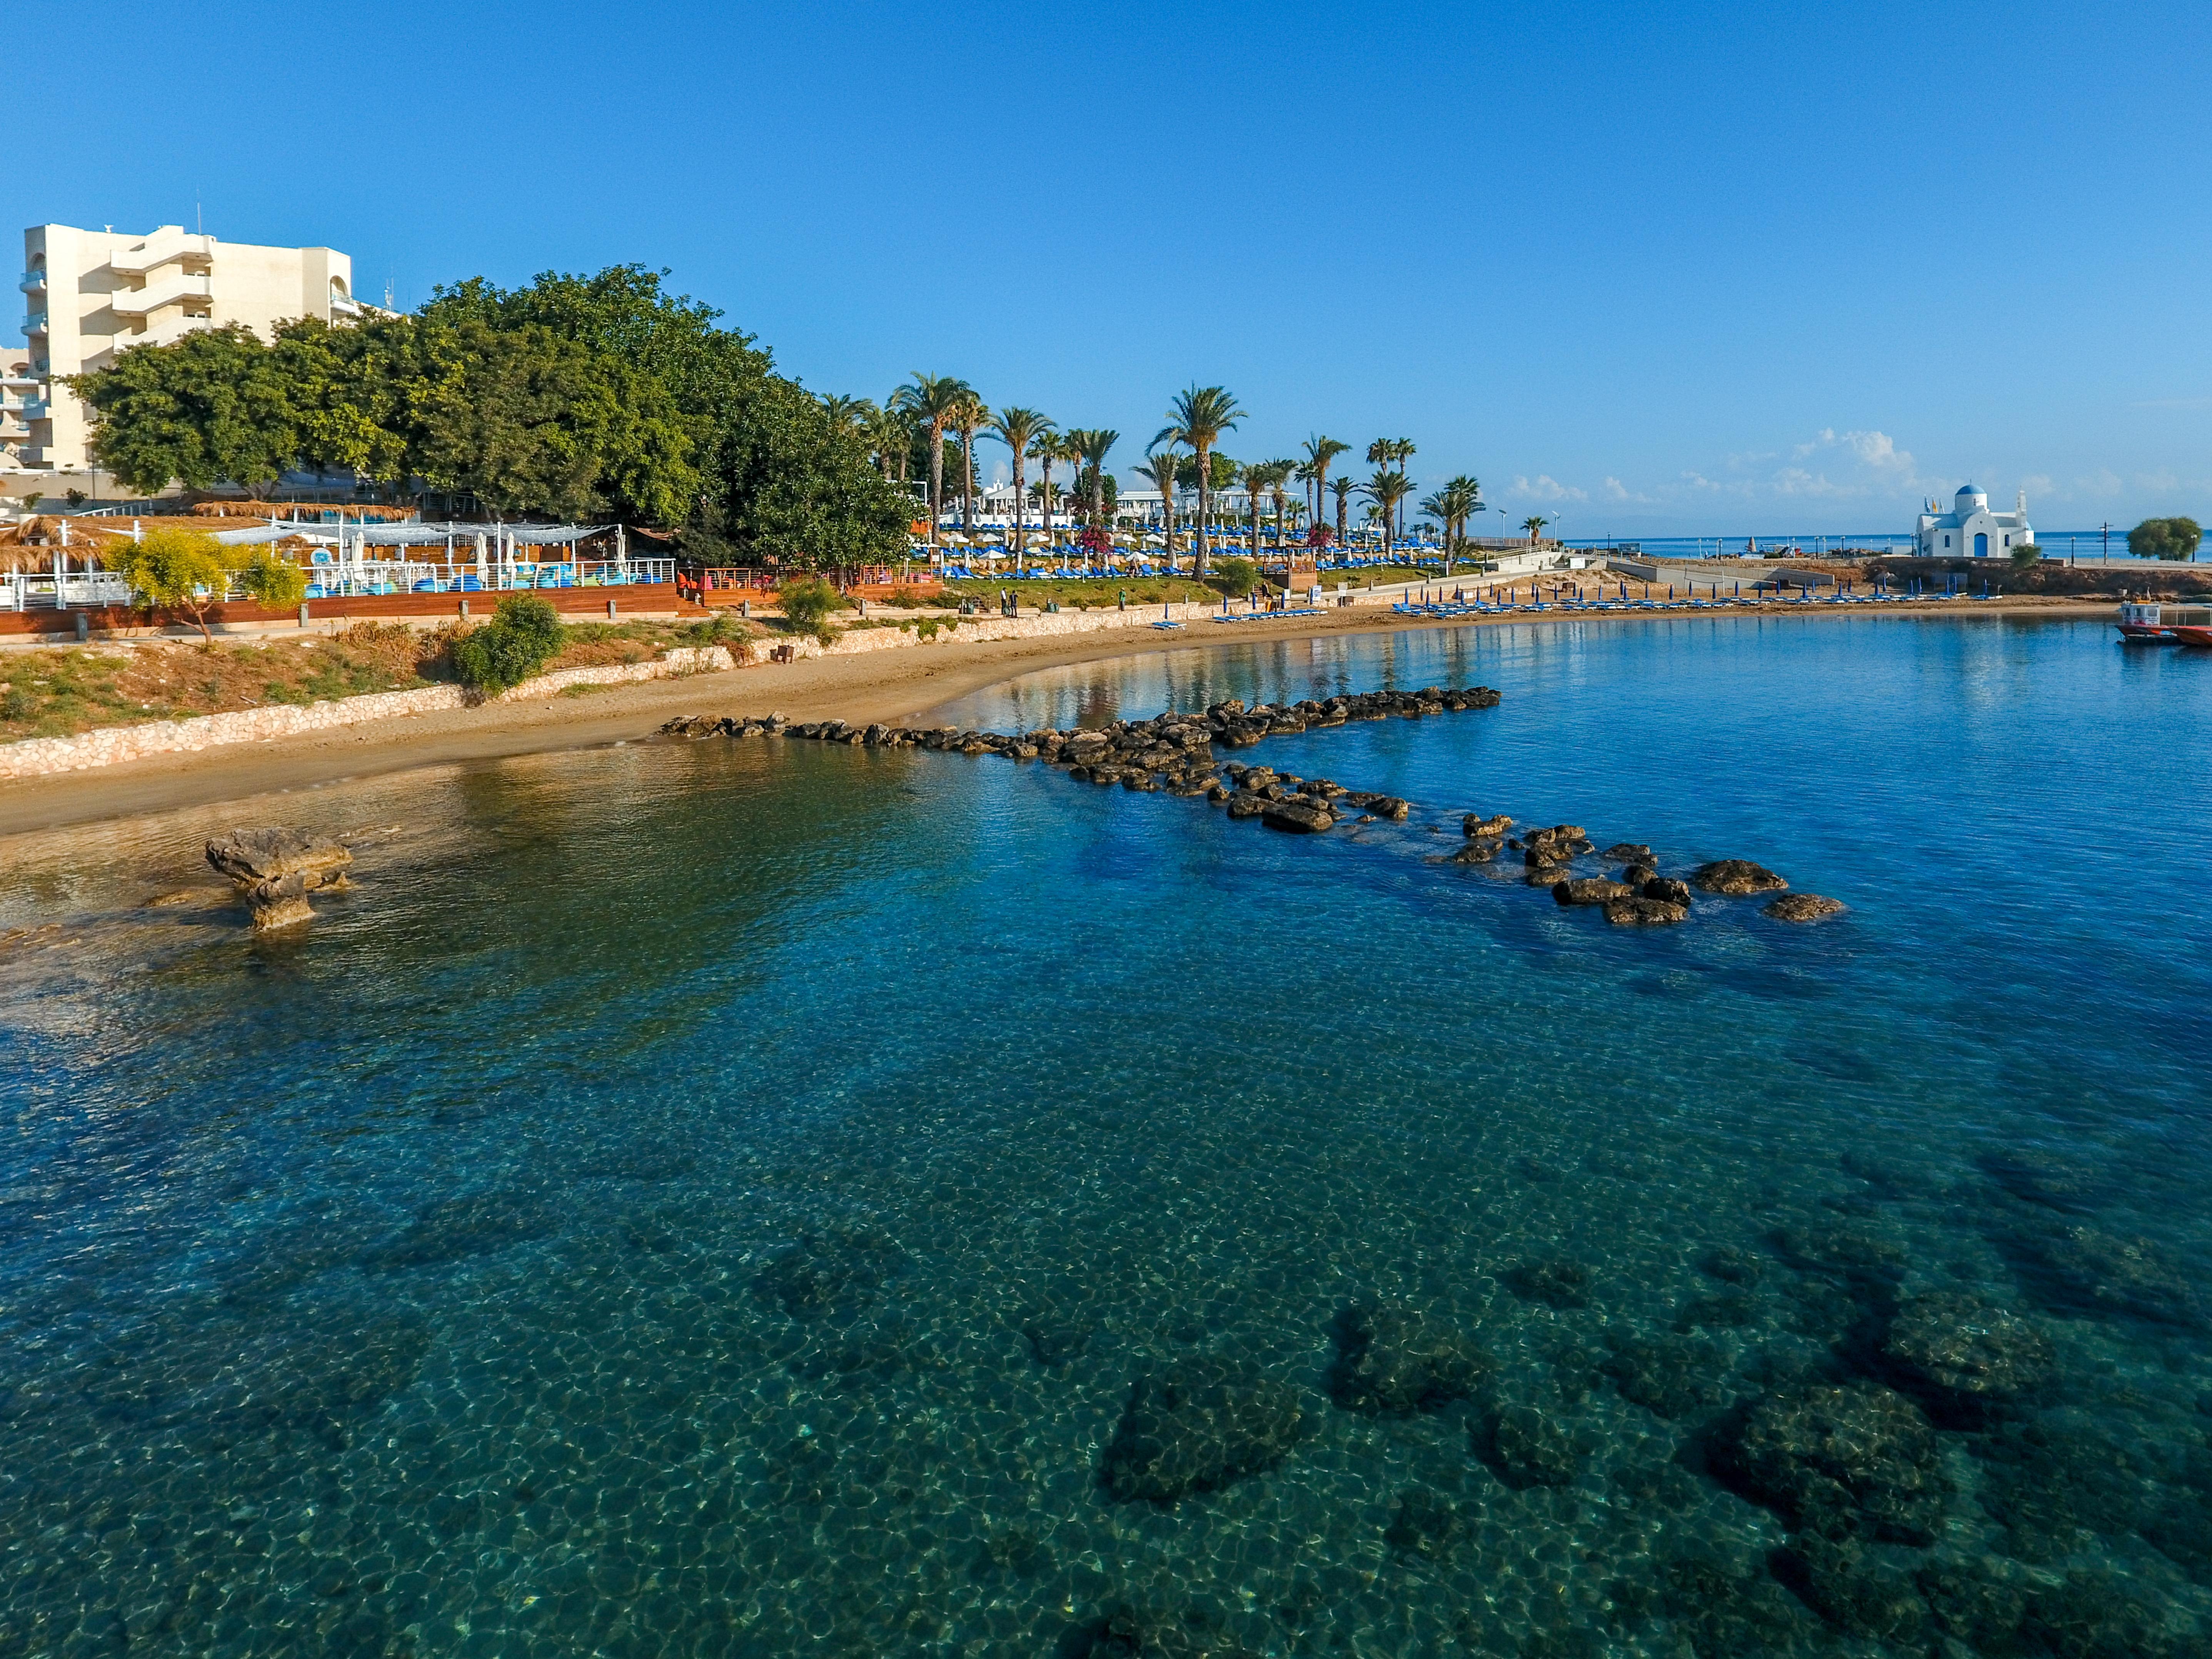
(329, 579)
(34, 590)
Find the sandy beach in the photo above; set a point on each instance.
(889, 685)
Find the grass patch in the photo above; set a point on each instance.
(586, 689)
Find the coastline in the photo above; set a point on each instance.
(892, 686)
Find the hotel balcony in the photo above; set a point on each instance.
(151, 298)
(35, 322)
(34, 282)
(32, 455)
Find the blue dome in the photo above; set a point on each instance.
(1967, 489)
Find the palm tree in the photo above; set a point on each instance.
(1452, 506)
(888, 437)
(1279, 475)
(1343, 488)
(1252, 474)
(1320, 453)
(969, 415)
(1096, 443)
(848, 414)
(1532, 525)
(1047, 449)
(1019, 428)
(1197, 419)
(1387, 489)
(931, 400)
(1159, 467)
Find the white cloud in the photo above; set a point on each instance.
(1877, 450)
(2103, 482)
(1545, 488)
(2037, 483)
(2157, 481)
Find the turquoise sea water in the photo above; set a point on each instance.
(723, 1198)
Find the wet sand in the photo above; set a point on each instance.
(886, 685)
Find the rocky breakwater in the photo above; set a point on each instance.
(275, 869)
(1174, 753)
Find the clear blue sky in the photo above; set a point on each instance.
(1722, 268)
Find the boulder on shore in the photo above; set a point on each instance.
(1803, 907)
(277, 868)
(1736, 878)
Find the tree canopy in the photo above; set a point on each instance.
(575, 397)
(2165, 539)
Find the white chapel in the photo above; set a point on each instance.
(1971, 530)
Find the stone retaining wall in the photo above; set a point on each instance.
(111, 745)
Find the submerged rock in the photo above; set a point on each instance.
(1960, 1345)
(1803, 907)
(1196, 1425)
(1736, 877)
(1524, 1447)
(1424, 1522)
(1859, 1591)
(1670, 1376)
(277, 868)
(1557, 1283)
(827, 1273)
(1477, 851)
(1391, 1357)
(1973, 1604)
(1851, 1461)
(2085, 1268)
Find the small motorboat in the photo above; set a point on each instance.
(2165, 624)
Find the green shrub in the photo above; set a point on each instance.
(2026, 556)
(522, 635)
(806, 603)
(1233, 576)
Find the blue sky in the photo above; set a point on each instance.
(1724, 269)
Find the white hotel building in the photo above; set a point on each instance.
(90, 293)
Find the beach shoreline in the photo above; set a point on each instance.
(892, 686)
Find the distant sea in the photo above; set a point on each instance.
(749, 1198)
(2093, 543)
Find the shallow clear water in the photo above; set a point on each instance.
(718, 1198)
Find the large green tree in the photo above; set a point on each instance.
(218, 403)
(2165, 539)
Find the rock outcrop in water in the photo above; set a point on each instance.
(1174, 753)
(275, 869)
(1736, 878)
(1803, 907)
